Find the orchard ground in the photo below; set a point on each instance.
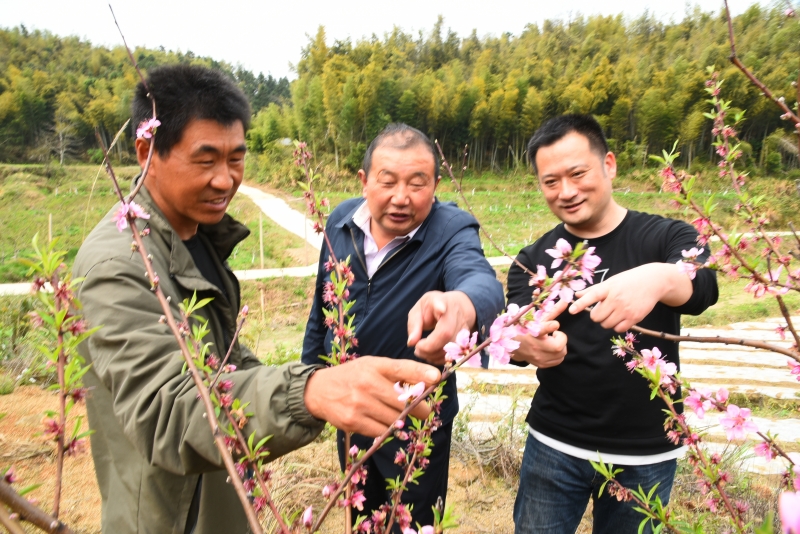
(483, 468)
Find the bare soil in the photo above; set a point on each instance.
(483, 502)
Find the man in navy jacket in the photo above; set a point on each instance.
(417, 262)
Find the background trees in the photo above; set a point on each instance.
(643, 79)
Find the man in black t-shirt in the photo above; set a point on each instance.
(588, 406)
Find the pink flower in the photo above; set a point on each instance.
(259, 503)
(671, 183)
(359, 476)
(795, 368)
(308, 518)
(789, 12)
(690, 269)
(147, 128)
(329, 490)
(736, 423)
(357, 500)
(702, 225)
(561, 252)
(427, 529)
(695, 402)
(408, 392)
(589, 262)
(354, 451)
(9, 476)
(653, 361)
(781, 331)
(539, 278)
(121, 216)
(566, 284)
(692, 253)
(722, 396)
(502, 337)
(462, 346)
(764, 450)
(789, 512)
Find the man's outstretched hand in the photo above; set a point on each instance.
(628, 297)
(359, 396)
(447, 314)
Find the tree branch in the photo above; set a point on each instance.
(30, 513)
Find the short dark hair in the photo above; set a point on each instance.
(558, 127)
(184, 93)
(409, 138)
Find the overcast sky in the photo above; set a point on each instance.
(267, 36)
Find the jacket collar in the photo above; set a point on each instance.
(222, 237)
(348, 221)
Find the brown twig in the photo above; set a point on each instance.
(718, 484)
(219, 439)
(228, 355)
(399, 493)
(460, 191)
(718, 339)
(261, 482)
(146, 168)
(750, 76)
(378, 443)
(62, 409)
(29, 512)
(10, 524)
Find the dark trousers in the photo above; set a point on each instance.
(380, 466)
(554, 489)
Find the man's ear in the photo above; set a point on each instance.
(142, 149)
(363, 177)
(610, 165)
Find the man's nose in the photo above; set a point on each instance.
(400, 195)
(223, 178)
(568, 189)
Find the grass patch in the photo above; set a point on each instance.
(275, 331)
(513, 211)
(31, 194)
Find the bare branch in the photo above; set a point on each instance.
(719, 339)
(29, 512)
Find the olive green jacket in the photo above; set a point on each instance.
(151, 441)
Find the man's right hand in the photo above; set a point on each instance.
(359, 396)
(550, 347)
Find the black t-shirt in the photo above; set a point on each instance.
(204, 262)
(591, 400)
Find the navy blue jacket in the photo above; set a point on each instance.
(445, 255)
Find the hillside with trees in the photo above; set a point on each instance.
(642, 78)
(55, 91)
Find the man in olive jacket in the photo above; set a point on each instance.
(157, 466)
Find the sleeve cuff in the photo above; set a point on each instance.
(299, 375)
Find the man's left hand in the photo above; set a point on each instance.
(447, 314)
(628, 297)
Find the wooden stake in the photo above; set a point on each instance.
(261, 250)
(263, 300)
